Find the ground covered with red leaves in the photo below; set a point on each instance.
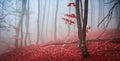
(99, 51)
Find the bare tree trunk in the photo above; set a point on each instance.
(56, 13)
(16, 41)
(68, 34)
(22, 17)
(43, 22)
(20, 24)
(27, 24)
(49, 3)
(38, 23)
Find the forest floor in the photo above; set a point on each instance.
(105, 48)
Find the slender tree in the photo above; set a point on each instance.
(27, 23)
(20, 24)
(68, 34)
(43, 21)
(48, 11)
(38, 23)
(56, 13)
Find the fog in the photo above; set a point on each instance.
(9, 9)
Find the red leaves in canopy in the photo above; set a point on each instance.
(71, 4)
(71, 15)
(68, 21)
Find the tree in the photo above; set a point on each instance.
(27, 23)
(56, 13)
(20, 24)
(48, 17)
(38, 23)
(108, 17)
(81, 25)
(43, 21)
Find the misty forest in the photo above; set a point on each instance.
(59, 30)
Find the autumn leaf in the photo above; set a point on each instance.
(71, 4)
(71, 15)
(68, 21)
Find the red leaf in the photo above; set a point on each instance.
(71, 15)
(71, 4)
(68, 21)
(71, 22)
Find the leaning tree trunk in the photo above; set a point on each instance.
(81, 24)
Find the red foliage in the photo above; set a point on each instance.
(71, 4)
(100, 51)
(68, 21)
(71, 15)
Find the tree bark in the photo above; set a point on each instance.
(38, 23)
(20, 24)
(27, 24)
(84, 47)
(81, 24)
(56, 13)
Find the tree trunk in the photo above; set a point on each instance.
(38, 23)
(82, 27)
(56, 13)
(27, 24)
(78, 22)
(43, 21)
(22, 17)
(20, 23)
(84, 47)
